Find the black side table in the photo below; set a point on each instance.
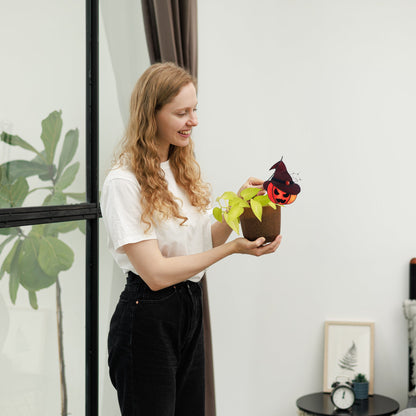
(320, 404)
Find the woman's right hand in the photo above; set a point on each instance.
(257, 247)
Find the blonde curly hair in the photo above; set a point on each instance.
(158, 85)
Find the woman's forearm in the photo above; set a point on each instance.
(220, 231)
(159, 271)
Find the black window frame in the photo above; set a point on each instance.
(88, 211)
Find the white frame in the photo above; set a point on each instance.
(340, 337)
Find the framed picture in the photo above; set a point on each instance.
(349, 350)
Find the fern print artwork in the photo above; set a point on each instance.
(349, 360)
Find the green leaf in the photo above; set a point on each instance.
(32, 277)
(233, 223)
(8, 231)
(60, 227)
(19, 191)
(5, 242)
(54, 256)
(217, 213)
(68, 150)
(235, 212)
(5, 267)
(57, 198)
(51, 131)
(257, 209)
(263, 199)
(33, 299)
(67, 177)
(228, 195)
(13, 195)
(17, 141)
(249, 193)
(14, 272)
(80, 196)
(22, 169)
(82, 225)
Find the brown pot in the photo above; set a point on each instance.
(268, 227)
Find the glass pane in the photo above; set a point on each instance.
(42, 106)
(42, 320)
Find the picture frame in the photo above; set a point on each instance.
(349, 350)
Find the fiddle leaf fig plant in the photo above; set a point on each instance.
(231, 206)
(37, 255)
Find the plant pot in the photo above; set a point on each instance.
(360, 390)
(268, 227)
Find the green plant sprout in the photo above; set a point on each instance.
(360, 378)
(37, 256)
(231, 206)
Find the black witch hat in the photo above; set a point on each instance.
(282, 180)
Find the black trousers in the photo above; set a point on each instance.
(156, 350)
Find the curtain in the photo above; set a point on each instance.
(171, 34)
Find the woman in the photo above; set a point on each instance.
(154, 206)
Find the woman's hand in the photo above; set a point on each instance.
(257, 247)
(252, 183)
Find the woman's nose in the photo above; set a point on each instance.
(193, 120)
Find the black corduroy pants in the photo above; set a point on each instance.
(156, 350)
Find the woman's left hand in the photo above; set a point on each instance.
(252, 183)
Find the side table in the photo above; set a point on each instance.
(320, 404)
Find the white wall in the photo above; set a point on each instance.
(330, 86)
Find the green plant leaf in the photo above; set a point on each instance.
(235, 212)
(82, 225)
(68, 150)
(8, 231)
(227, 196)
(257, 209)
(17, 141)
(58, 198)
(13, 195)
(54, 256)
(60, 227)
(67, 177)
(5, 242)
(78, 196)
(33, 299)
(14, 274)
(51, 131)
(217, 213)
(19, 191)
(5, 267)
(249, 193)
(263, 199)
(32, 277)
(21, 169)
(233, 223)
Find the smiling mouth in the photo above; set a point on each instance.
(185, 132)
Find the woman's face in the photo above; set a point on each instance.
(175, 120)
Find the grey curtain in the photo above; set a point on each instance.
(171, 34)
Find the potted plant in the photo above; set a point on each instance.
(259, 216)
(360, 386)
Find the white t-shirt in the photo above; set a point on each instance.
(121, 210)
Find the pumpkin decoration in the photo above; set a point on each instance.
(280, 187)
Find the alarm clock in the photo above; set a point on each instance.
(342, 395)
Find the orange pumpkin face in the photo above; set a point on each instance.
(279, 197)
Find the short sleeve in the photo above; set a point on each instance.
(121, 210)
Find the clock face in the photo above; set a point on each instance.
(343, 397)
